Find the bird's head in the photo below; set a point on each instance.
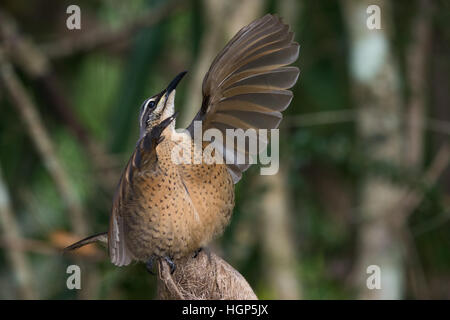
(159, 107)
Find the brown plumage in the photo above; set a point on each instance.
(167, 210)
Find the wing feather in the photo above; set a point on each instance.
(247, 83)
(118, 252)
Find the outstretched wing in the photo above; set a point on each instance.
(246, 85)
(118, 251)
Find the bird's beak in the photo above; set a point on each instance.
(171, 87)
(173, 84)
(168, 94)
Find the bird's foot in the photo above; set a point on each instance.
(149, 265)
(197, 252)
(171, 264)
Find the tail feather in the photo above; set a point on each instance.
(100, 237)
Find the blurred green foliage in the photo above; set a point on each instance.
(106, 90)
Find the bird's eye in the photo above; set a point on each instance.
(151, 104)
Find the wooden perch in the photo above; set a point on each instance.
(205, 277)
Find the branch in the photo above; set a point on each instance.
(52, 248)
(11, 233)
(417, 58)
(26, 55)
(95, 39)
(319, 118)
(409, 199)
(19, 98)
(23, 245)
(412, 199)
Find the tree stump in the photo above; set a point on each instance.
(205, 277)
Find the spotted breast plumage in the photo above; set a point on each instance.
(164, 209)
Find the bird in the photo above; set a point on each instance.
(166, 210)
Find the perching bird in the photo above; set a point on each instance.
(166, 210)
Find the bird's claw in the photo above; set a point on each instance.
(171, 264)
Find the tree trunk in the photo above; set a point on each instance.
(376, 91)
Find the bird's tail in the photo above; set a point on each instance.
(101, 237)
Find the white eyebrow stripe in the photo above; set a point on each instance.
(144, 109)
